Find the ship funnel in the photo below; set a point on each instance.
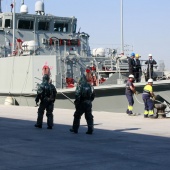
(39, 8)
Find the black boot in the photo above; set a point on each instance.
(130, 113)
(49, 127)
(76, 124)
(74, 131)
(145, 116)
(90, 127)
(89, 132)
(38, 126)
(49, 120)
(127, 111)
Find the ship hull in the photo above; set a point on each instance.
(108, 98)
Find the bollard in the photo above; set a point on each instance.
(160, 110)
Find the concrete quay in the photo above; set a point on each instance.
(119, 142)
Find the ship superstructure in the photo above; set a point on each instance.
(33, 40)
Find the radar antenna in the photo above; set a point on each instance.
(22, 2)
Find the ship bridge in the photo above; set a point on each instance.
(46, 31)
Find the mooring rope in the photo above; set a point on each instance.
(138, 100)
(143, 103)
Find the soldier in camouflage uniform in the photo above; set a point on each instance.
(46, 93)
(84, 96)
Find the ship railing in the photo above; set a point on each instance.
(111, 67)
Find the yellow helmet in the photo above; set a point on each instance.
(137, 55)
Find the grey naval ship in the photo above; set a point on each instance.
(31, 44)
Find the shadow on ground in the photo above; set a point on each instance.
(24, 147)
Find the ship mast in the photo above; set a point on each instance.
(13, 41)
(122, 42)
(0, 7)
(22, 2)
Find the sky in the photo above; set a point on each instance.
(145, 23)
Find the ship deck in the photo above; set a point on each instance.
(119, 142)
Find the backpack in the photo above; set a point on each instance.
(53, 92)
(50, 92)
(86, 90)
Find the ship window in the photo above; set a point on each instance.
(43, 25)
(25, 24)
(0, 22)
(7, 23)
(61, 27)
(74, 28)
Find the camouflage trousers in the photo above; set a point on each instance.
(49, 107)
